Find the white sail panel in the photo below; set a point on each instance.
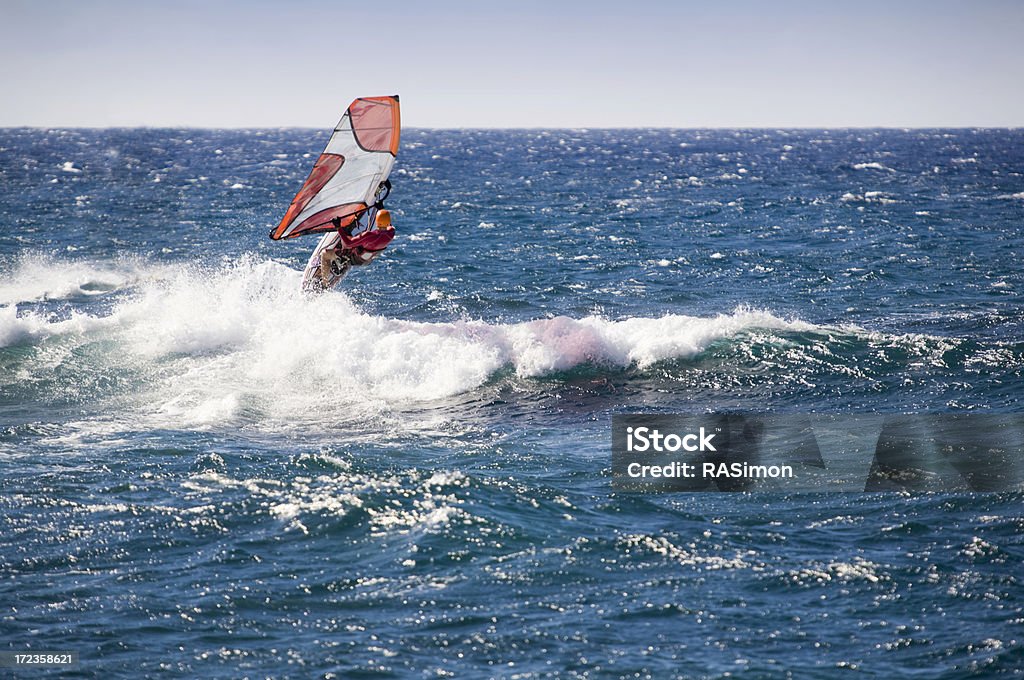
(358, 158)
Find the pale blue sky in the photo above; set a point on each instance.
(632, 63)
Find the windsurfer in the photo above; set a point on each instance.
(357, 250)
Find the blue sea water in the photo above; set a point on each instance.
(205, 473)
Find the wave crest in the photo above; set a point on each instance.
(213, 344)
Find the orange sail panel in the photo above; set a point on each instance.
(346, 176)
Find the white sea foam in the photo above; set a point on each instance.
(242, 339)
(17, 328)
(34, 278)
(856, 570)
(640, 546)
(867, 197)
(872, 166)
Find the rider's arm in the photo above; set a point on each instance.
(346, 239)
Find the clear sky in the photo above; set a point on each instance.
(549, 63)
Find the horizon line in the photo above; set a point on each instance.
(532, 127)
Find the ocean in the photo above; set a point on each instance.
(206, 473)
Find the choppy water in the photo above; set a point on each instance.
(204, 471)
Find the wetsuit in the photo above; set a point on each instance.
(363, 248)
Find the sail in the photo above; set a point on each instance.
(346, 176)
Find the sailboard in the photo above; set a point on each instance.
(344, 182)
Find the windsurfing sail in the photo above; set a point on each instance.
(345, 178)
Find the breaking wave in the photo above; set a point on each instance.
(204, 343)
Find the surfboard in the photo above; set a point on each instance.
(311, 278)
